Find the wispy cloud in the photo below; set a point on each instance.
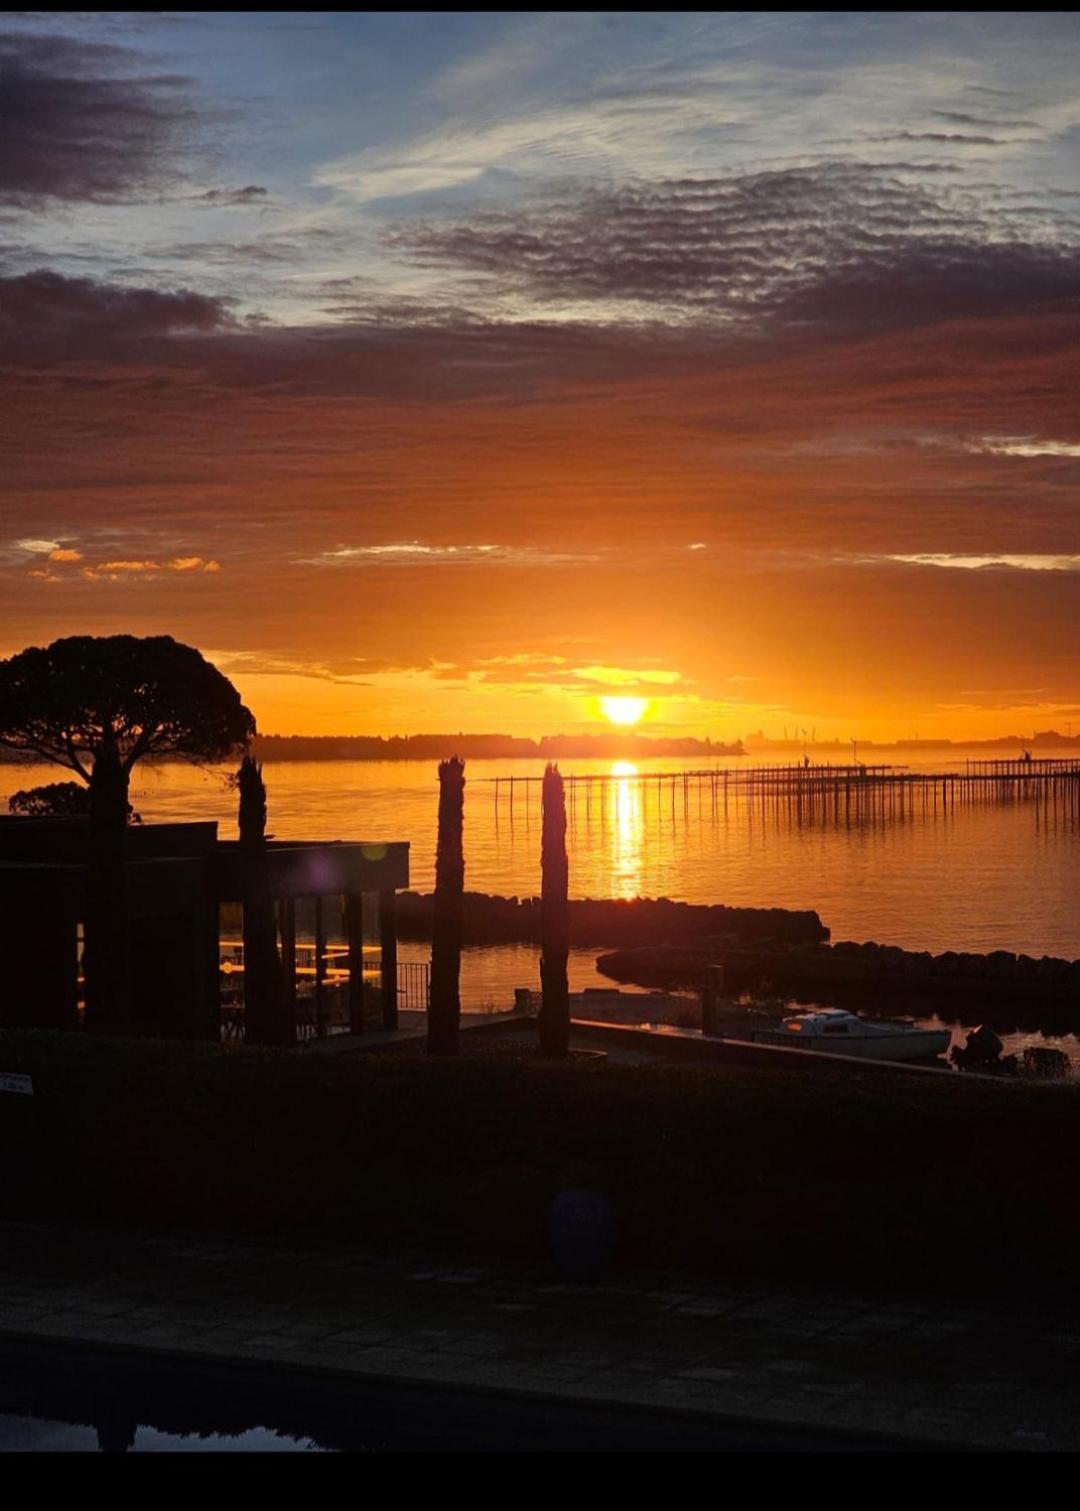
(624, 676)
(250, 194)
(145, 571)
(1023, 445)
(417, 553)
(1016, 561)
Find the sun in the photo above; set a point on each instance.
(624, 710)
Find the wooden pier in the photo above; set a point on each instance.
(806, 787)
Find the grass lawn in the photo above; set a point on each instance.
(909, 1182)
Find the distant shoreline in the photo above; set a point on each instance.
(484, 748)
(604, 747)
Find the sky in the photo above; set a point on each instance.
(440, 371)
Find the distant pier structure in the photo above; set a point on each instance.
(808, 789)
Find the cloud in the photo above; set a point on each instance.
(37, 547)
(415, 553)
(77, 123)
(947, 137)
(842, 244)
(178, 564)
(250, 194)
(121, 569)
(1023, 445)
(1016, 561)
(962, 119)
(260, 664)
(43, 306)
(622, 676)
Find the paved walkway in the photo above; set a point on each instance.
(933, 1373)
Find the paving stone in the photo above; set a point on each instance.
(940, 1373)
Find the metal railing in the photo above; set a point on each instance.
(413, 994)
(414, 985)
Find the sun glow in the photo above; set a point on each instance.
(624, 710)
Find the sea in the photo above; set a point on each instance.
(1001, 873)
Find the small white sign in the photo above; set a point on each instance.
(21, 1084)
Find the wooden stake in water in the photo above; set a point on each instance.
(444, 1013)
(554, 921)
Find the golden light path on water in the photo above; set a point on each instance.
(627, 831)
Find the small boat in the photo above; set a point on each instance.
(830, 1030)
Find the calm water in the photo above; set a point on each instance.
(979, 877)
(973, 878)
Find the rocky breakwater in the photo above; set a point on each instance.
(1012, 991)
(615, 922)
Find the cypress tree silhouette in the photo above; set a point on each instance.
(444, 1013)
(262, 972)
(554, 920)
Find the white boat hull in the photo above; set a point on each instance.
(915, 1044)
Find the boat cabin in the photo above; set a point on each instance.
(825, 1020)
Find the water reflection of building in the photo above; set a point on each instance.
(184, 892)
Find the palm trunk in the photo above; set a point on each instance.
(444, 1012)
(106, 946)
(554, 921)
(262, 974)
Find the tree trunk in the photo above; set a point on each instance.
(444, 1013)
(554, 921)
(263, 1005)
(106, 966)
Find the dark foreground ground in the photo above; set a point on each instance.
(119, 1331)
(934, 1187)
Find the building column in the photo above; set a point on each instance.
(288, 970)
(320, 969)
(354, 931)
(388, 956)
(209, 953)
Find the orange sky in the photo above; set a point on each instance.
(774, 434)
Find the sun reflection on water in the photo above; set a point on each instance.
(627, 830)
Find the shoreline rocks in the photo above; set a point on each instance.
(999, 985)
(613, 921)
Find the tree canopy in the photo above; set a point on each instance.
(58, 800)
(140, 697)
